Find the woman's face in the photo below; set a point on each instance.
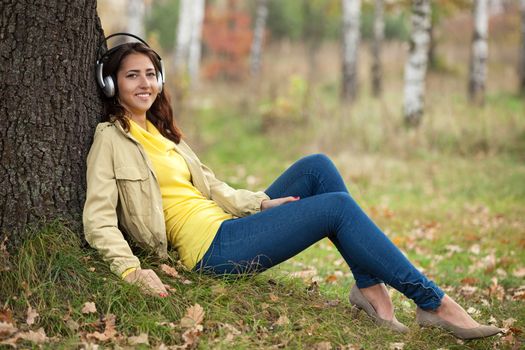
(137, 84)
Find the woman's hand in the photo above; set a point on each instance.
(148, 281)
(270, 203)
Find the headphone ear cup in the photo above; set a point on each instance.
(160, 83)
(109, 88)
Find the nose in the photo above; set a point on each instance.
(144, 81)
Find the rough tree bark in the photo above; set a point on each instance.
(416, 65)
(479, 53)
(521, 67)
(379, 33)
(258, 37)
(351, 36)
(136, 13)
(189, 33)
(50, 107)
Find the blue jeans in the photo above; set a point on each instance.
(257, 242)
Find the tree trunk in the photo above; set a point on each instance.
(182, 46)
(379, 33)
(416, 65)
(258, 36)
(189, 32)
(479, 53)
(351, 35)
(521, 67)
(50, 107)
(195, 43)
(136, 13)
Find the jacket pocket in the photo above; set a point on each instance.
(133, 184)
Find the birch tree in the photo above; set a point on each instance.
(479, 53)
(189, 33)
(49, 110)
(136, 13)
(416, 65)
(379, 32)
(350, 48)
(258, 36)
(521, 67)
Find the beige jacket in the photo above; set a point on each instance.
(122, 189)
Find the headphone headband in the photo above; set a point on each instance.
(107, 84)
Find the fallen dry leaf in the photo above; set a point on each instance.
(194, 316)
(281, 321)
(273, 297)
(191, 337)
(89, 308)
(6, 315)
(396, 346)
(331, 279)
(168, 270)
(508, 322)
(473, 311)
(109, 330)
(38, 337)
(89, 346)
(97, 336)
(519, 272)
(496, 290)
(6, 329)
(305, 274)
(142, 338)
(324, 345)
(32, 314)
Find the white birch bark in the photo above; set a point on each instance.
(379, 33)
(258, 37)
(136, 13)
(416, 65)
(521, 67)
(479, 52)
(350, 48)
(189, 34)
(182, 46)
(194, 59)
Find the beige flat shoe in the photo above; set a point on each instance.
(431, 319)
(358, 300)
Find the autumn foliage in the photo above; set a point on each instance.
(226, 36)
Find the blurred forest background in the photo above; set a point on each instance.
(295, 95)
(421, 106)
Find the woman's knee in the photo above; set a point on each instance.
(317, 161)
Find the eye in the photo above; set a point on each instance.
(131, 75)
(151, 74)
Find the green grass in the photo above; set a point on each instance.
(451, 195)
(449, 213)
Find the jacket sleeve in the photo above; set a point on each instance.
(237, 202)
(100, 209)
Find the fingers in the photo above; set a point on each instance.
(148, 281)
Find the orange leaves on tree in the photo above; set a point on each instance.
(227, 37)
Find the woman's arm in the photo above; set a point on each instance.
(237, 202)
(100, 210)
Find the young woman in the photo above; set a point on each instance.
(143, 177)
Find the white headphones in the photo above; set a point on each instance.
(108, 83)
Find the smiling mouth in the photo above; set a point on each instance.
(143, 94)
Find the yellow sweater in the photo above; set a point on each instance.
(192, 220)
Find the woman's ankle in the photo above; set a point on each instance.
(378, 296)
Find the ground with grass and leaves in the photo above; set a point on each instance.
(450, 194)
(459, 218)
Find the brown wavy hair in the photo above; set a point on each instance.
(160, 113)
